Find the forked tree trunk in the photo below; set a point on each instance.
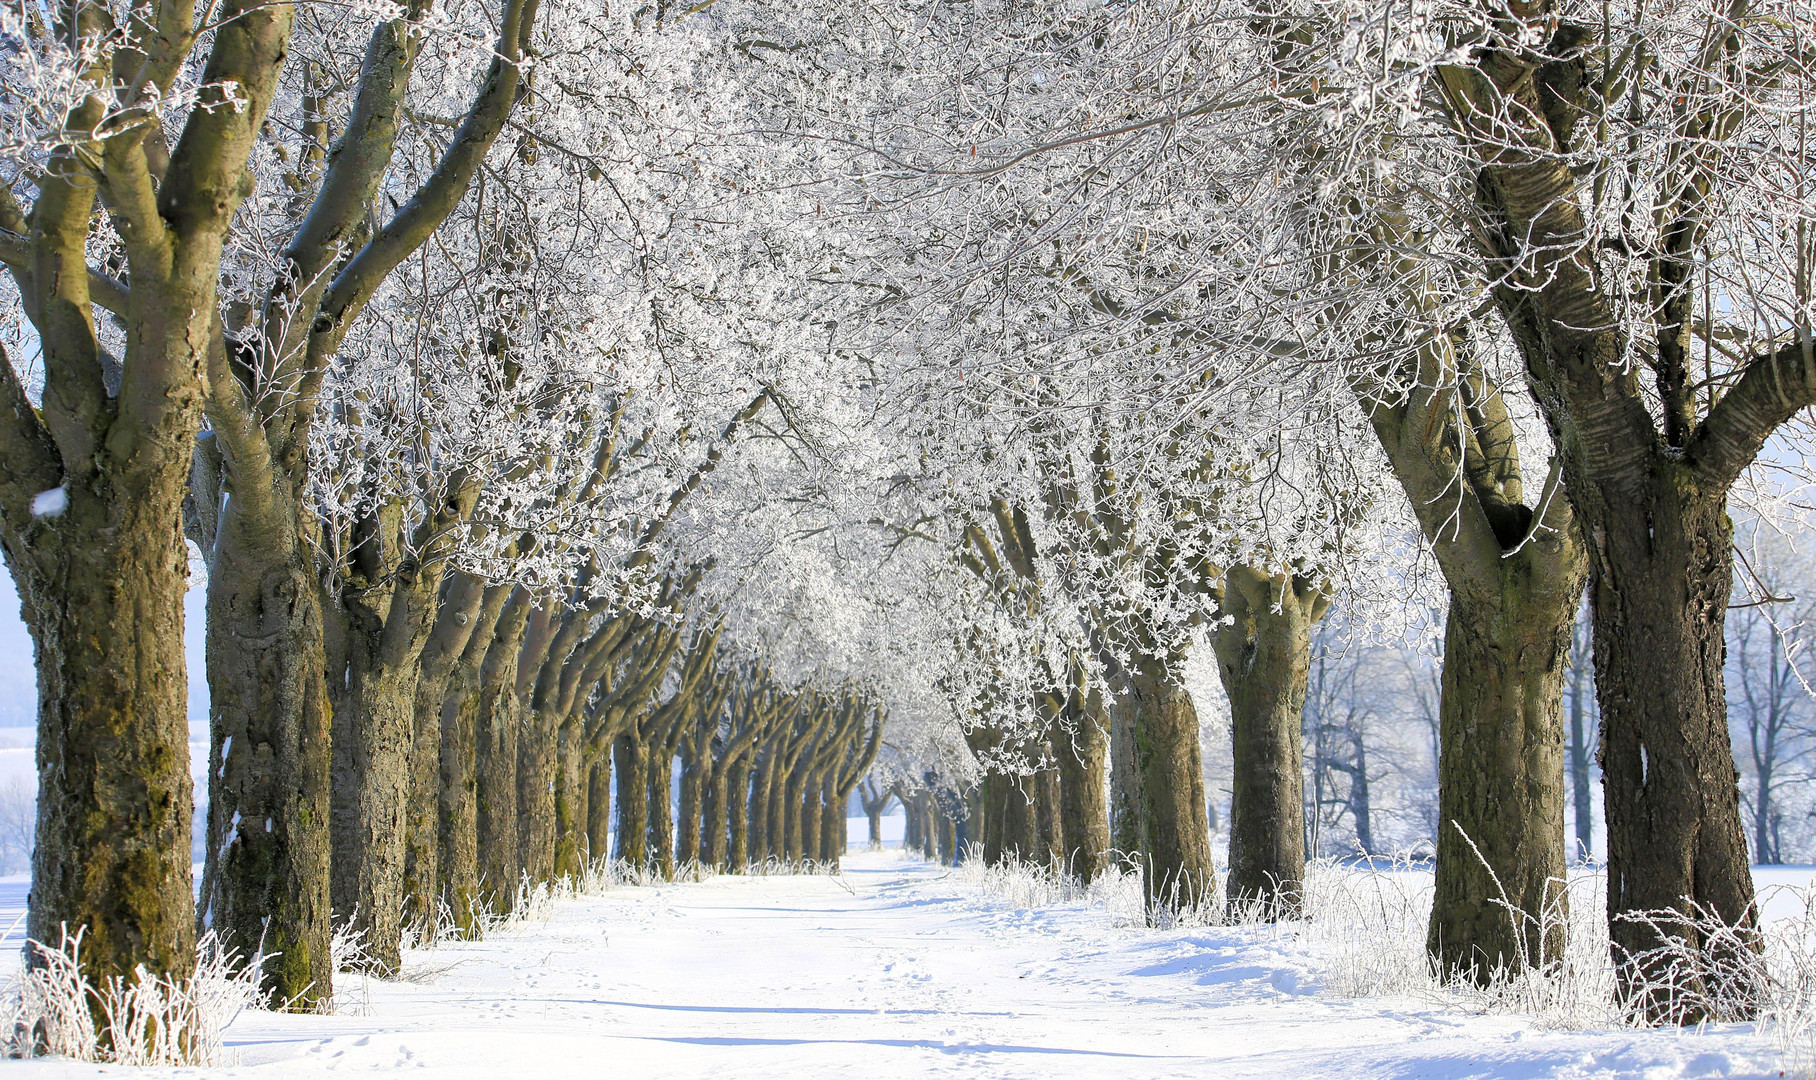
(1175, 842)
(1264, 658)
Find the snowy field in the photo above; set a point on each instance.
(902, 969)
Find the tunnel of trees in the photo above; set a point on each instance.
(614, 434)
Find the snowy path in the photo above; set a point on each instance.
(900, 971)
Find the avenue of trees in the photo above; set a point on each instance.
(569, 403)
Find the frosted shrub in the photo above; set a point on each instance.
(1789, 1016)
(51, 1008)
(1018, 883)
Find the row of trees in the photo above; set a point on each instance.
(555, 392)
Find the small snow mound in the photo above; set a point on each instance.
(50, 503)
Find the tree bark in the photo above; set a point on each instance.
(741, 798)
(1264, 658)
(713, 818)
(599, 808)
(372, 735)
(762, 779)
(1084, 815)
(269, 756)
(687, 824)
(659, 764)
(631, 764)
(495, 759)
(1126, 826)
(538, 748)
(1650, 498)
(115, 799)
(570, 803)
(1662, 574)
(457, 861)
(1500, 788)
(1176, 843)
(454, 626)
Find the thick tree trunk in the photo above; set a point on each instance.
(1125, 776)
(454, 626)
(570, 803)
(833, 822)
(660, 766)
(1049, 848)
(1175, 842)
(1084, 815)
(687, 823)
(630, 763)
(1020, 818)
(599, 808)
(1264, 658)
(793, 792)
(737, 852)
(757, 831)
(269, 756)
(1660, 585)
(911, 830)
(457, 809)
(538, 748)
(373, 733)
(115, 800)
(713, 808)
(495, 760)
(1500, 785)
(811, 808)
(457, 861)
(993, 818)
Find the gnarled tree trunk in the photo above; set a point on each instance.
(1264, 658)
(1175, 842)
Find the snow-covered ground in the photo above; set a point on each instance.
(902, 969)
